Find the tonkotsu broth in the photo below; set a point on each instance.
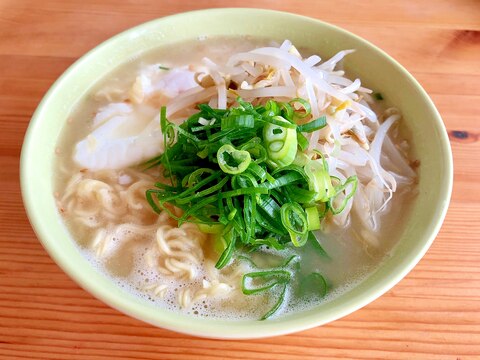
(350, 259)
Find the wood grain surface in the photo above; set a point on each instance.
(434, 313)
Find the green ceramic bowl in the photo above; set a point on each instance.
(375, 68)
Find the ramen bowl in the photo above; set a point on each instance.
(375, 68)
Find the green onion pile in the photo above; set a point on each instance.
(243, 175)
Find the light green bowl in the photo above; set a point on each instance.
(375, 68)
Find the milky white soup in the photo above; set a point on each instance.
(101, 184)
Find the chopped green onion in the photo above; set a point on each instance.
(313, 284)
(277, 305)
(287, 111)
(280, 142)
(352, 181)
(313, 218)
(280, 121)
(314, 125)
(305, 104)
(312, 239)
(319, 181)
(237, 121)
(302, 142)
(211, 228)
(271, 278)
(295, 221)
(258, 171)
(272, 108)
(270, 242)
(256, 149)
(193, 178)
(167, 139)
(219, 244)
(233, 161)
(230, 238)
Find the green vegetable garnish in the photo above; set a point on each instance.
(280, 141)
(295, 221)
(269, 279)
(351, 185)
(233, 161)
(243, 175)
(313, 284)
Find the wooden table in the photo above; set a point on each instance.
(434, 313)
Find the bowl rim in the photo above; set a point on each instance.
(217, 329)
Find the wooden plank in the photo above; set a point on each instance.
(434, 313)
